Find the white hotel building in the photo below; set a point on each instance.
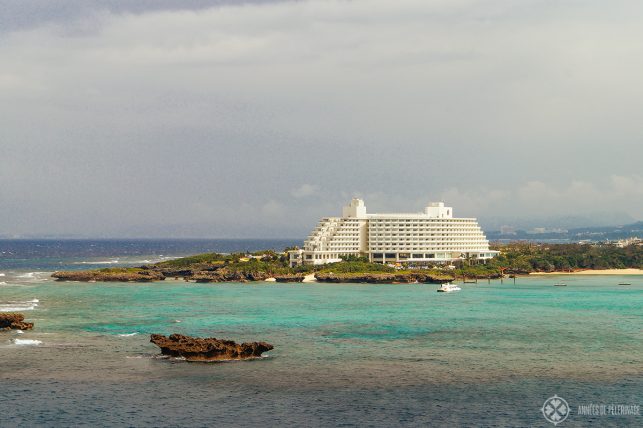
(432, 236)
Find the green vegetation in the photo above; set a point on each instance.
(185, 262)
(255, 266)
(527, 257)
(357, 266)
(517, 258)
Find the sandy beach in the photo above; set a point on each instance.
(595, 272)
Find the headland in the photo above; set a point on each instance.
(513, 259)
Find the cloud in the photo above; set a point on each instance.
(536, 198)
(116, 114)
(631, 186)
(273, 208)
(304, 190)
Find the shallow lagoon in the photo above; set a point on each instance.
(345, 354)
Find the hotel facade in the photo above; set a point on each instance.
(433, 236)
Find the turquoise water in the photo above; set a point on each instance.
(345, 354)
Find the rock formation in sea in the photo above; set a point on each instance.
(208, 349)
(14, 321)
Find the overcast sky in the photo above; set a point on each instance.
(255, 118)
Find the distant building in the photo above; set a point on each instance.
(630, 241)
(432, 236)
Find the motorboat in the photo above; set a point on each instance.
(560, 284)
(447, 287)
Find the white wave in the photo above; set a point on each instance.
(3, 283)
(2, 274)
(128, 334)
(7, 308)
(148, 356)
(17, 306)
(152, 260)
(20, 332)
(102, 262)
(28, 275)
(37, 276)
(26, 341)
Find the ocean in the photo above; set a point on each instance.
(345, 354)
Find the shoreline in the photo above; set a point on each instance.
(627, 271)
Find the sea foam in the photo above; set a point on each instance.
(26, 342)
(128, 334)
(17, 306)
(35, 276)
(7, 308)
(103, 262)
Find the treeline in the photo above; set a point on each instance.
(514, 258)
(530, 257)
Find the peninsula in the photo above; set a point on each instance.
(512, 259)
(260, 266)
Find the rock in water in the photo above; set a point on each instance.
(208, 349)
(14, 321)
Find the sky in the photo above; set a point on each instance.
(251, 119)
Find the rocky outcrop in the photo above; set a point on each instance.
(208, 349)
(383, 278)
(177, 273)
(109, 275)
(14, 321)
(223, 275)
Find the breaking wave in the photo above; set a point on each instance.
(34, 276)
(102, 262)
(19, 306)
(26, 341)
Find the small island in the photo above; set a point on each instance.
(208, 349)
(513, 259)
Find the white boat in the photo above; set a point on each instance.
(560, 284)
(447, 287)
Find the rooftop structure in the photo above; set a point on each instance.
(431, 236)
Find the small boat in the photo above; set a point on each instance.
(624, 283)
(447, 287)
(560, 284)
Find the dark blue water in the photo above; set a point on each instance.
(51, 255)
